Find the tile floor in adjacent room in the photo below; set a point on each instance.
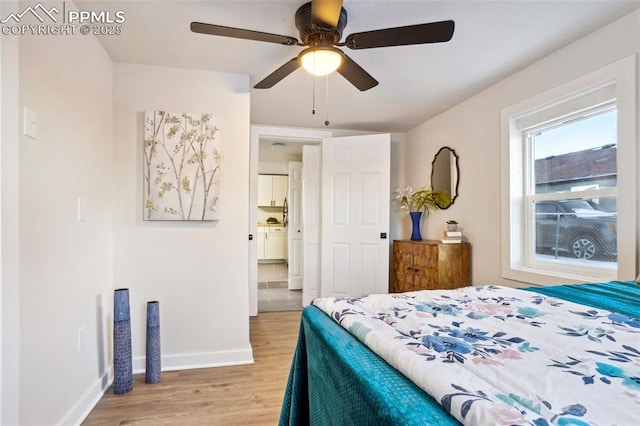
(273, 292)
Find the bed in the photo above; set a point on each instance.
(336, 379)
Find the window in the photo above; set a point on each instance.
(567, 181)
(571, 175)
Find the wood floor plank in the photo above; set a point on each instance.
(237, 395)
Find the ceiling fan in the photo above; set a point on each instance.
(321, 23)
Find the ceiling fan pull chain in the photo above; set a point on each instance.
(313, 95)
(326, 101)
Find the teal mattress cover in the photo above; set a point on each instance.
(337, 380)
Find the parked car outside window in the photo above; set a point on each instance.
(578, 228)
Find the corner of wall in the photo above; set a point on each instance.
(9, 260)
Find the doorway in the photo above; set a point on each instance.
(373, 171)
(269, 135)
(280, 226)
(274, 212)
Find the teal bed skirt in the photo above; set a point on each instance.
(337, 380)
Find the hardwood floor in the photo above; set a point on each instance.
(240, 395)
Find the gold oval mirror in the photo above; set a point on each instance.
(445, 174)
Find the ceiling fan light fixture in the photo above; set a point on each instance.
(321, 60)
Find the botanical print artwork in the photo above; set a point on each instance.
(181, 166)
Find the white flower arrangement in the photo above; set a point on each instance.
(424, 200)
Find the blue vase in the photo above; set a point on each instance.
(122, 358)
(415, 221)
(152, 374)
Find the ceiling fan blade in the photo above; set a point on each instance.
(275, 77)
(219, 30)
(326, 12)
(434, 32)
(356, 75)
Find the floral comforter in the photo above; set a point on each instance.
(495, 355)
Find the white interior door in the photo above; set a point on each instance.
(295, 225)
(355, 215)
(311, 172)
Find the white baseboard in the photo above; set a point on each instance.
(92, 396)
(202, 360)
(80, 411)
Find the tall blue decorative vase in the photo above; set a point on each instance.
(122, 359)
(415, 221)
(152, 374)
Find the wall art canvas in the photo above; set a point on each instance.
(181, 166)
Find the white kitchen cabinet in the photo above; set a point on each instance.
(280, 188)
(272, 242)
(272, 190)
(276, 243)
(262, 239)
(265, 190)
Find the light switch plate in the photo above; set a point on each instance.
(30, 123)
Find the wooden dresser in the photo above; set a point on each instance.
(430, 265)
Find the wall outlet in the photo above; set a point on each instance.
(82, 339)
(30, 123)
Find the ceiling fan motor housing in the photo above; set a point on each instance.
(315, 34)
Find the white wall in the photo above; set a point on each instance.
(197, 270)
(65, 266)
(472, 128)
(9, 261)
(88, 147)
(277, 167)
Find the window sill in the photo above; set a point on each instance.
(544, 277)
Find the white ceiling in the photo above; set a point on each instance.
(492, 40)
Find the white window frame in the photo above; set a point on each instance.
(530, 196)
(620, 78)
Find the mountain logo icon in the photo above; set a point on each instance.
(38, 11)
